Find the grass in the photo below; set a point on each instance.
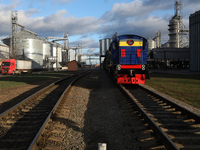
(16, 80)
(182, 87)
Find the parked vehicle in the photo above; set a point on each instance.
(12, 66)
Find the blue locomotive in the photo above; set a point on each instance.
(126, 59)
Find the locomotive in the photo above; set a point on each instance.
(126, 59)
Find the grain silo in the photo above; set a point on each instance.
(28, 46)
(31, 46)
(71, 55)
(4, 51)
(151, 44)
(46, 54)
(57, 54)
(104, 45)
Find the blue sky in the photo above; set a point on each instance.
(87, 21)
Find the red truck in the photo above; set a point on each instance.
(12, 66)
(0, 65)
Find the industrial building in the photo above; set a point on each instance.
(29, 46)
(45, 54)
(178, 34)
(178, 52)
(172, 58)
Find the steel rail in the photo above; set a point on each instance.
(160, 134)
(25, 101)
(33, 145)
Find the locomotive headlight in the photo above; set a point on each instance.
(119, 67)
(143, 67)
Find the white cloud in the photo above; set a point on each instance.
(58, 17)
(31, 11)
(136, 9)
(85, 43)
(55, 24)
(5, 12)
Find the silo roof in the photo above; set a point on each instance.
(25, 34)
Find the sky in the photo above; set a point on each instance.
(88, 21)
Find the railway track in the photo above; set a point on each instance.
(22, 125)
(85, 117)
(175, 126)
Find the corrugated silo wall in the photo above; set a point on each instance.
(104, 45)
(57, 53)
(46, 54)
(64, 57)
(195, 41)
(4, 52)
(46, 50)
(33, 50)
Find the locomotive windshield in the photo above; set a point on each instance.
(6, 64)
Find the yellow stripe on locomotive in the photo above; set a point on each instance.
(128, 43)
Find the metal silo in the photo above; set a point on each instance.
(4, 51)
(107, 43)
(71, 55)
(195, 41)
(46, 54)
(83, 59)
(57, 54)
(64, 57)
(30, 46)
(151, 44)
(46, 49)
(102, 47)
